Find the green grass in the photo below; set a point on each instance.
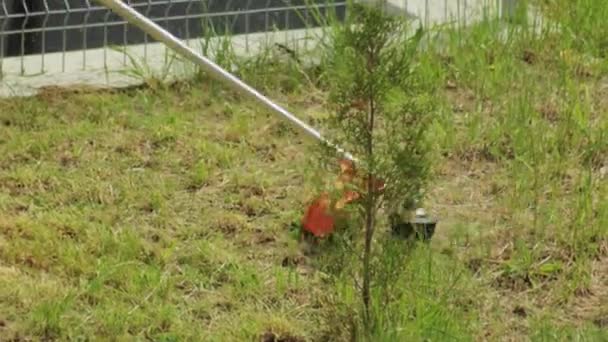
(167, 213)
(143, 213)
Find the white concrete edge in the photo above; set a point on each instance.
(109, 68)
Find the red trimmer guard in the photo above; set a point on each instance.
(320, 217)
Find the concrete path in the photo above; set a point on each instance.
(434, 12)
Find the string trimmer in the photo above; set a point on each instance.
(319, 219)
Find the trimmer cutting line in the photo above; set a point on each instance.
(319, 218)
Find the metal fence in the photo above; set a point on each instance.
(46, 37)
(39, 27)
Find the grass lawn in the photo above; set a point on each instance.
(170, 213)
(159, 214)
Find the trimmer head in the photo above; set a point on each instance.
(322, 214)
(320, 217)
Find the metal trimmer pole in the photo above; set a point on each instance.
(161, 35)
